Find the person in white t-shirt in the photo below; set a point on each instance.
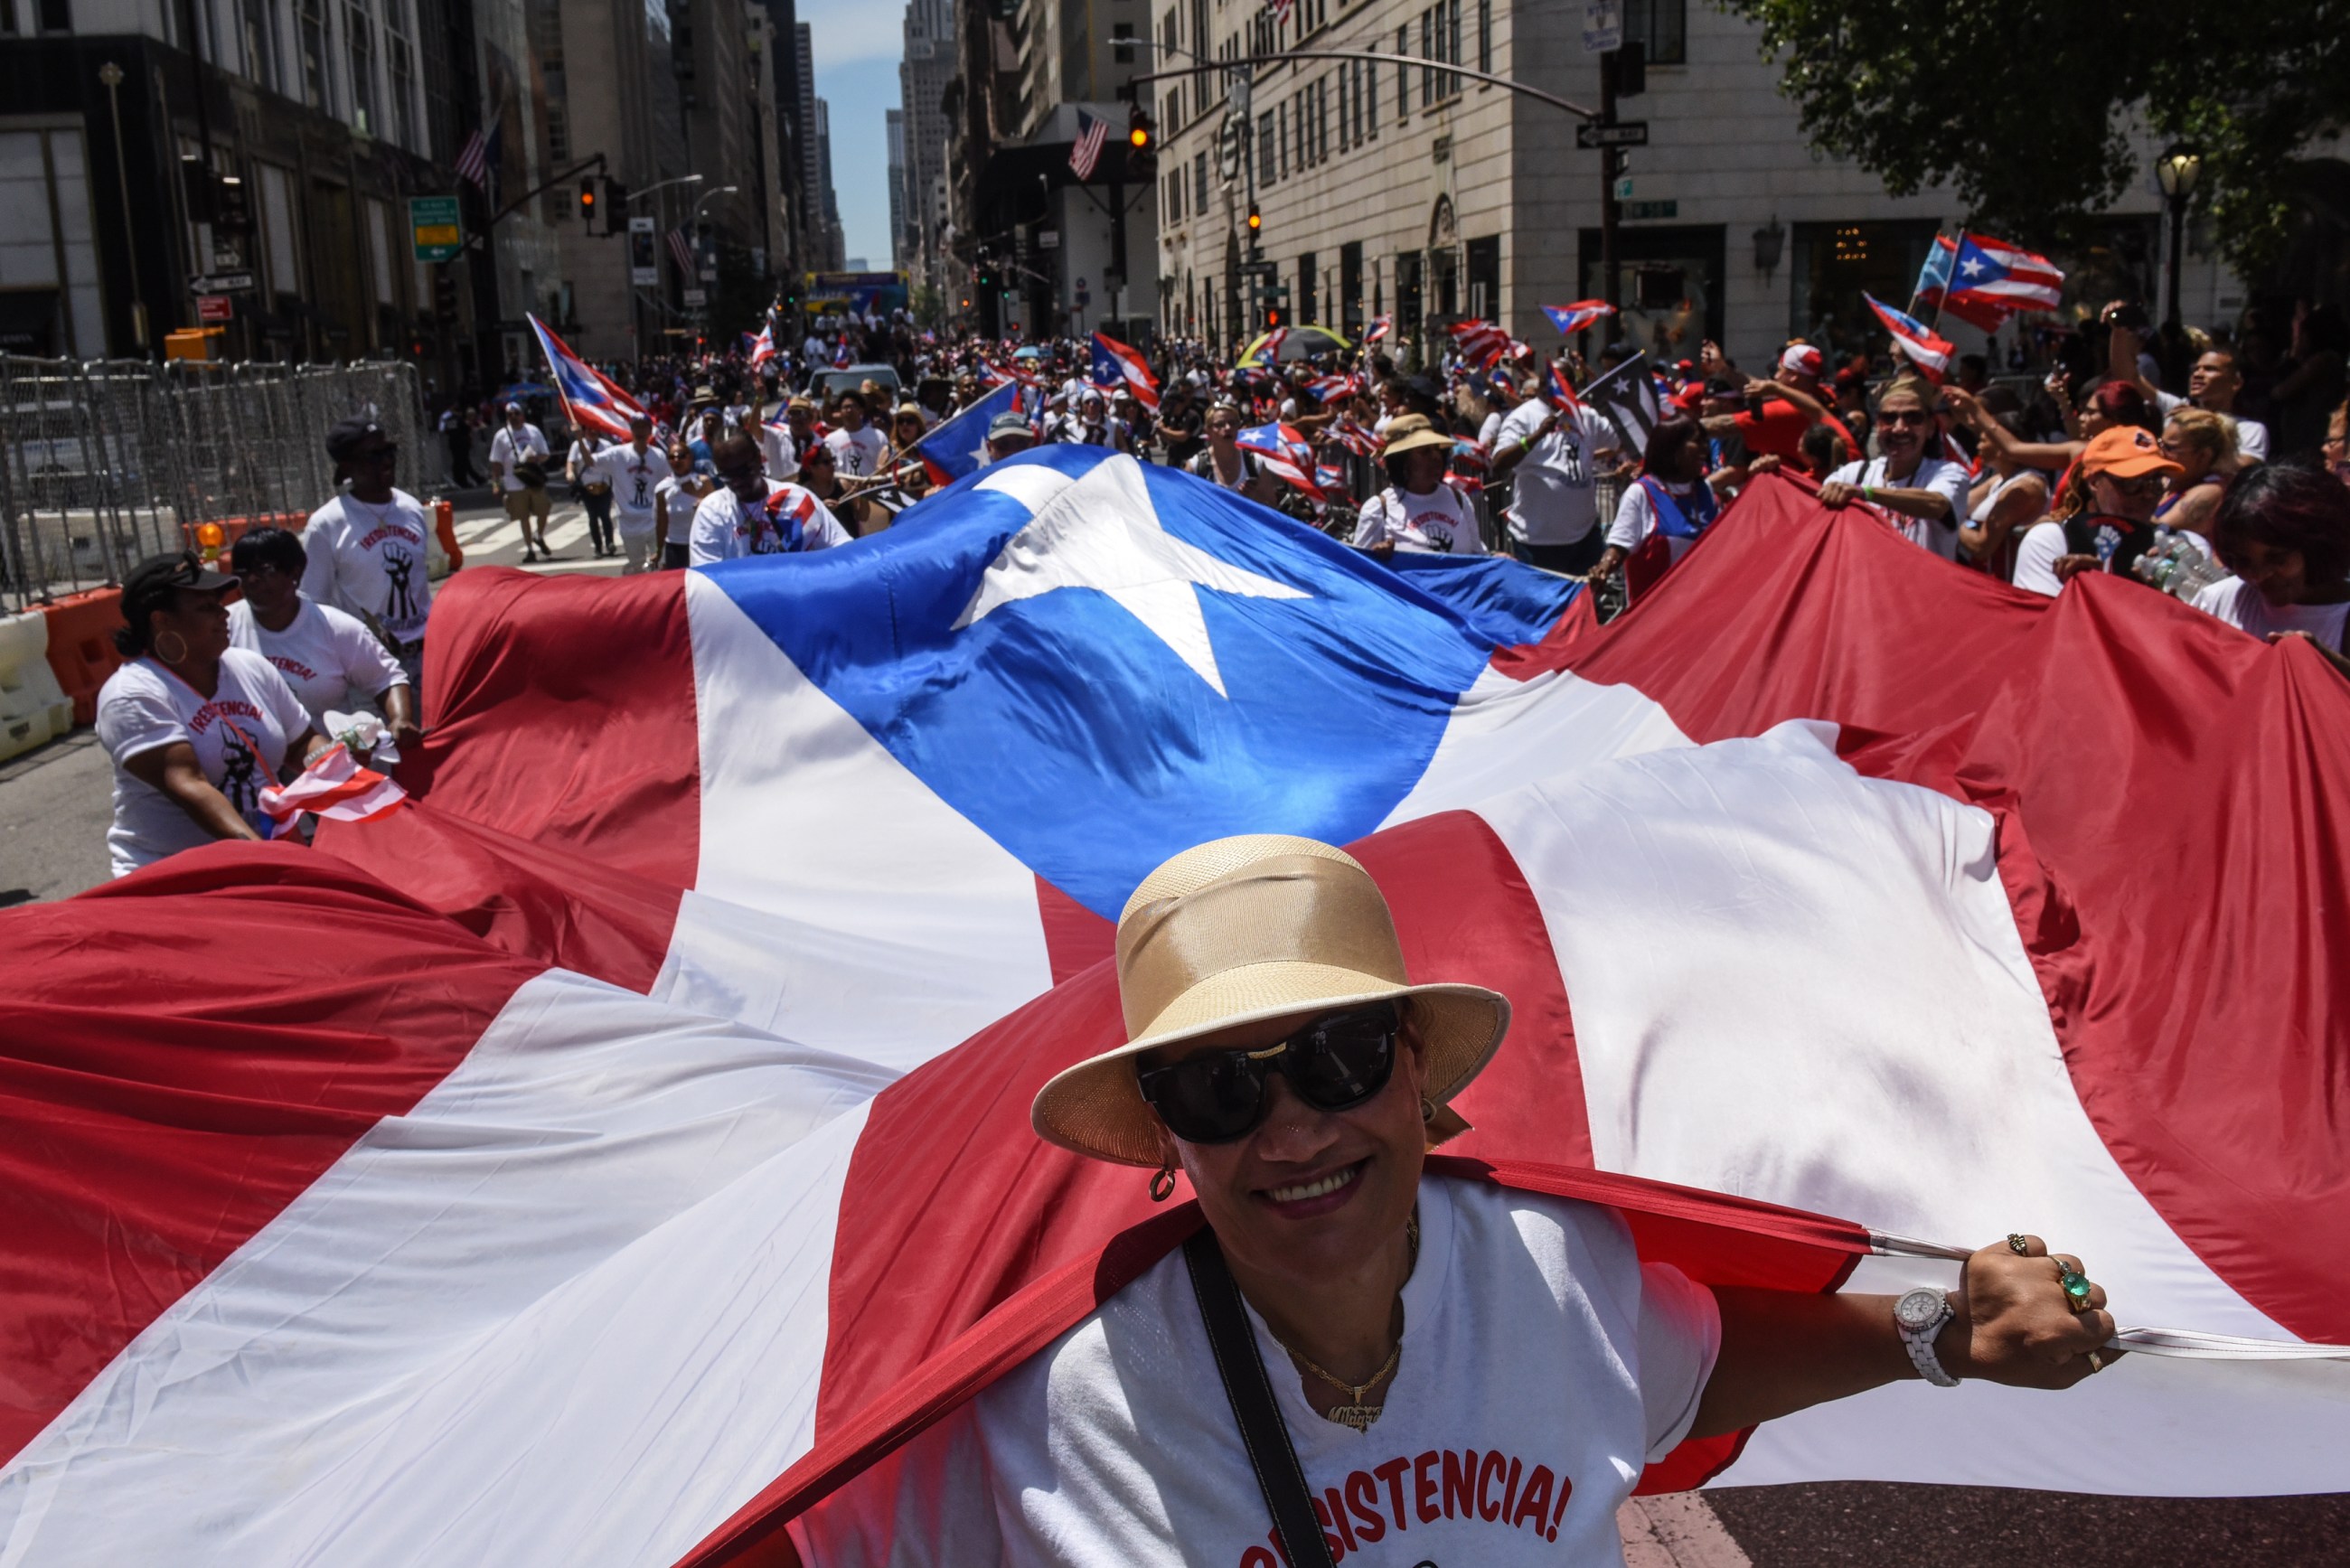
(1463, 1373)
(750, 515)
(333, 662)
(2286, 532)
(857, 446)
(366, 549)
(2104, 521)
(196, 728)
(636, 470)
(2214, 383)
(1418, 512)
(1552, 456)
(1924, 497)
(1669, 497)
(681, 496)
(518, 454)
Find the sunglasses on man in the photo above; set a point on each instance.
(1333, 1064)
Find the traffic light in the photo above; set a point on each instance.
(588, 199)
(444, 293)
(1631, 68)
(615, 205)
(1273, 316)
(1141, 145)
(1255, 222)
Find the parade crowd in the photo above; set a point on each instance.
(2183, 477)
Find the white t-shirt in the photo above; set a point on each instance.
(1491, 428)
(682, 504)
(1944, 478)
(325, 656)
(1635, 518)
(1442, 522)
(782, 453)
(239, 734)
(2252, 436)
(722, 532)
(2036, 557)
(2240, 603)
(636, 480)
(856, 453)
(1554, 496)
(1543, 1365)
(510, 447)
(370, 561)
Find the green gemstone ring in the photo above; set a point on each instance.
(2076, 1288)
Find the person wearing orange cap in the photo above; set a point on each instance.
(2104, 519)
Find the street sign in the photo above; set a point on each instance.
(222, 283)
(434, 228)
(1624, 187)
(1622, 133)
(1603, 26)
(1634, 211)
(215, 308)
(644, 258)
(1259, 269)
(1048, 239)
(695, 298)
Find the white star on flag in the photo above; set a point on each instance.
(1101, 532)
(1973, 266)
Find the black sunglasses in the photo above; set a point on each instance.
(1333, 1064)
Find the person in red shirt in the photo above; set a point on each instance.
(1781, 409)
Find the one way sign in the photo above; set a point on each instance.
(1621, 133)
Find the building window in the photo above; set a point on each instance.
(1264, 148)
(1199, 182)
(1121, 43)
(1662, 27)
(1485, 277)
(1305, 276)
(1370, 101)
(361, 34)
(1403, 75)
(403, 97)
(1835, 264)
(1485, 35)
(312, 32)
(56, 15)
(1427, 52)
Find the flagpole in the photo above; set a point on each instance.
(1918, 289)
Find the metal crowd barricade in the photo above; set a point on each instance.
(105, 461)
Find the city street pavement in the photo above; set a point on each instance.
(54, 810)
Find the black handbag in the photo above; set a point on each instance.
(1263, 1432)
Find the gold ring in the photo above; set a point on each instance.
(2019, 1244)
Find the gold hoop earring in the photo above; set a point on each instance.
(1426, 1109)
(1162, 1184)
(168, 658)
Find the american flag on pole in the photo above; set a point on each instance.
(479, 156)
(680, 245)
(1085, 151)
(1480, 342)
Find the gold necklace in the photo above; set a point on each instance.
(1356, 1413)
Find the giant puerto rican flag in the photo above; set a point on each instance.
(624, 1142)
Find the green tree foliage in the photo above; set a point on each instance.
(2026, 108)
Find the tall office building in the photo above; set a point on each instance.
(922, 76)
(902, 249)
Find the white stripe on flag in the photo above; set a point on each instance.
(607, 1199)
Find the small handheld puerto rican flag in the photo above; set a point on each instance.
(1571, 319)
(1931, 354)
(1286, 452)
(590, 399)
(1329, 386)
(1353, 436)
(763, 347)
(334, 786)
(1468, 464)
(1562, 389)
(1628, 395)
(1381, 327)
(1117, 364)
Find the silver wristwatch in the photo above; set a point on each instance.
(1920, 1316)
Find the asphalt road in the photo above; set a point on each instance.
(54, 804)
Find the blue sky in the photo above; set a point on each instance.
(858, 44)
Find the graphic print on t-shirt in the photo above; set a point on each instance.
(1376, 1502)
(400, 566)
(240, 772)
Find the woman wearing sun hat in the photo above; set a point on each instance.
(1391, 1323)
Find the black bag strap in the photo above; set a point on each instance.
(1263, 1432)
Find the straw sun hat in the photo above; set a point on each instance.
(1409, 433)
(1242, 930)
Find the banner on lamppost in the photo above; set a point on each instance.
(644, 259)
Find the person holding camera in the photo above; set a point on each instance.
(519, 458)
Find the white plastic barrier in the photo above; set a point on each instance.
(34, 708)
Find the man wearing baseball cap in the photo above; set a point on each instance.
(1007, 434)
(365, 548)
(1349, 1332)
(519, 458)
(1779, 411)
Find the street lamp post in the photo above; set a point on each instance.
(2178, 170)
(111, 75)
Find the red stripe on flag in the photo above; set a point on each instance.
(2189, 953)
(148, 1132)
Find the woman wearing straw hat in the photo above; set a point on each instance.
(1416, 1367)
